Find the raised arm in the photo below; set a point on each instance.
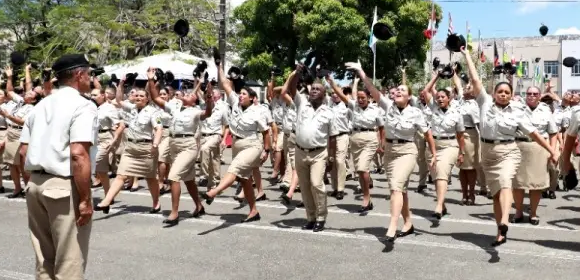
(473, 75)
(152, 88)
(356, 66)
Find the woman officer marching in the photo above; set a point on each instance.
(500, 155)
(184, 123)
(247, 150)
(139, 158)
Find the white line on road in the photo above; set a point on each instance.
(548, 253)
(15, 275)
(375, 214)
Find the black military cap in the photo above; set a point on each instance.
(70, 61)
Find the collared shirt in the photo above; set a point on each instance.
(20, 110)
(402, 124)
(174, 103)
(342, 116)
(565, 117)
(218, 118)
(289, 121)
(8, 107)
(470, 112)
(278, 107)
(574, 127)
(498, 123)
(368, 118)
(143, 123)
(265, 109)
(165, 116)
(51, 128)
(313, 127)
(185, 120)
(445, 123)
(108, 116)
(245, 123)
(543, 119)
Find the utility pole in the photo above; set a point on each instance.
(222, 33)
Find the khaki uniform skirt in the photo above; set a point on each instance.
(471, 149)
(499, 163)
(447, 153)
(363, 146)
(3, 132)
(104, 159)
(400, 160)
(184, 153)
(137, 161)
(164, 147)
(11, 155)
(532, 172)
(245, 156)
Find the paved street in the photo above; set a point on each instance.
(131, 244)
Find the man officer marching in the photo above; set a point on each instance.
(58, 142)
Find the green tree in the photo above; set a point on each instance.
(283, 31)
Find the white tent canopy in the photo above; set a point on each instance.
(179, 63)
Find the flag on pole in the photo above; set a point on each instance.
(480, 48)
(469, 39)
(506, 57)
(372, 39)
(520, 69)
(432, 26)
(513, 57)
(495, 55)
(450, 28)
(537, 74)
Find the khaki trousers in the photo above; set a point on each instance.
(211, 159)
(421, 158)
(60, 246)
(339, 167)
(289, 154)
(310, 167)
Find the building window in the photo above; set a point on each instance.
(552, 67)
(576, 69)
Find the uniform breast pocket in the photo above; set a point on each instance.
(143, 121)
(449, 123)
(406, 125)
(507, 126)
(541, 126)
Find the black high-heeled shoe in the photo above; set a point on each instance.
(438, 215)
(519, 220)
(261, 198)
(367, 208)
(503, 229)
(105, 209)
(208, 200)
(171, 223)
(199, 213)
(286, 198)
(155, 210)
(405, 233)
(252, 219)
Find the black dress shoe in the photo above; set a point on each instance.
(261, 198)
(285, 198)
(15, 195)
(390, 239)
(405, 233)
(552, 195)
(2, 190)
(333, 193)
(367, 208)
(239, 199)
(440, 215)
(318, 226)
(371, 185)
(105, 209)
(155, 210)
(421, 188)
(199, 213)
(171, 223)
(300, 205)
(308, 226)
(534, 221)
(503, 229)
(518, 220)
(208, 200)
(252, 219)
(339, 195)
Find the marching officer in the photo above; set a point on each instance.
(57, 143)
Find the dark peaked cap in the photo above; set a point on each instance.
(70, 61)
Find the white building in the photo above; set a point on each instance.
(571, 76)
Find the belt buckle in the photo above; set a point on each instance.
(134, 141)
(496, 141)
(395, 141)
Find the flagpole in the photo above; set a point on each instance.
(374, 66)
(432, 37)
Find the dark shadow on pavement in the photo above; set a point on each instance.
(572, 221)
(480, 240)
(229, 220)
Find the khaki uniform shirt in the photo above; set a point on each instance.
(51, 128)
(501, 123)
(143, 123)
(245, 123)
(108, 116)
(313, 127)
(445, 123)
(369, 118)
(402, 124)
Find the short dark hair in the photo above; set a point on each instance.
(503, 83)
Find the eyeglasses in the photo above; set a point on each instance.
(532, 94)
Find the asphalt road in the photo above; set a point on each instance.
(128, 243)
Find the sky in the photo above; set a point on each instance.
(506, 18)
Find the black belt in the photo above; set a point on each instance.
(444, 137)
(209, 134)
(398, 141)
(3, 128)
(362, 129)
(343, 133)
(237, 137)
(165, 126)
(43, 172)
(524, 139)
(490, 141)
(279, 123)
(181, 135)
(310, 150)
(104, 130)
(139, 140)
(15, 126)
(469, 127)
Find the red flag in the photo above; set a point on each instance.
(495, 55)
(432, 26)
(480, 48)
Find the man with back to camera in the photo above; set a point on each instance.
(57, 143)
